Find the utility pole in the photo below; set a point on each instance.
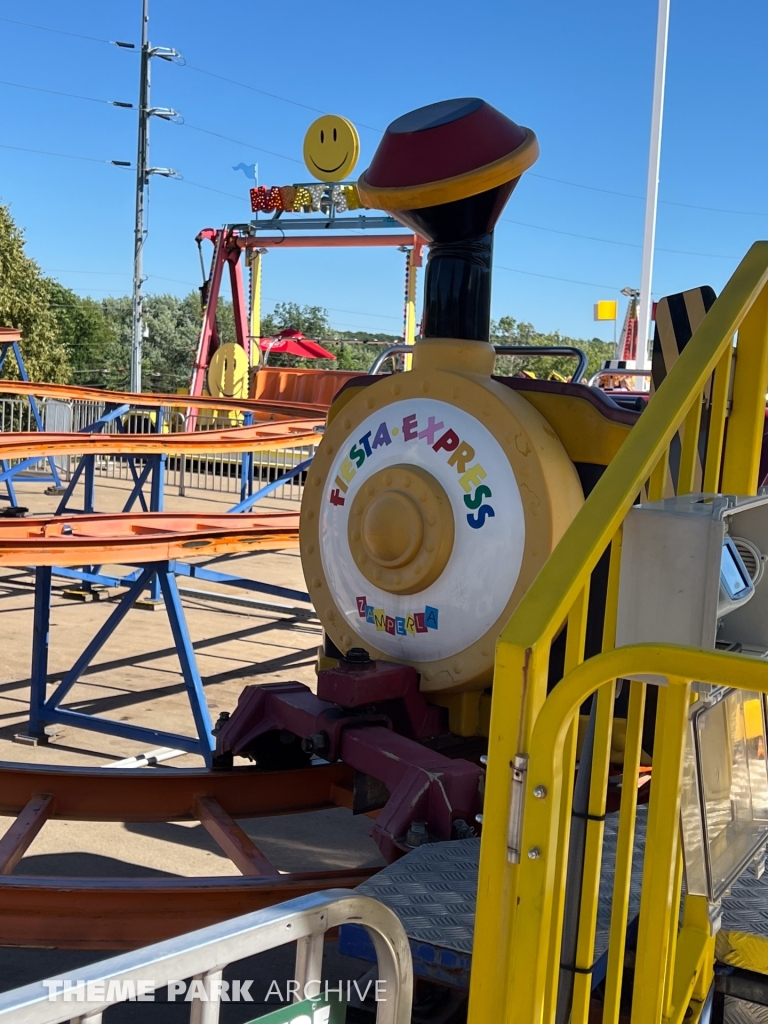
(143, 172)
(652, 188)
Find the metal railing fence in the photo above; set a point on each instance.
(518, 934)
(204, 954)
(16, 414)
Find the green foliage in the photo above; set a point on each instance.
(310, 320)
(89, 338)
(25, 303)
(172, 326)
(508, 331)
(348, 346)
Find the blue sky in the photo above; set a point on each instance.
(578, 74)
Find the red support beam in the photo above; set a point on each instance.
(22, 832)
(227, 834)
(208, 330)
(239, 306)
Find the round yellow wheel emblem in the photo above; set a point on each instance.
(401, 529)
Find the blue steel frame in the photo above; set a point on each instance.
(160, 579)
(248, 501)
(91, 576)
(8, 472)
(44, 710)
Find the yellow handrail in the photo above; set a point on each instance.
(559, 595)
(678, 666)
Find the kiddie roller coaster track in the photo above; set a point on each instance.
(119, 913)
(115, 913)
(261, 437)
(281, 409)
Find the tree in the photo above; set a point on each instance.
(349, 347)
(88, 336)
(25, 303)
(310, 320)
(508, 331)
(172, 325)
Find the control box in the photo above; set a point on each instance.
(692, 573)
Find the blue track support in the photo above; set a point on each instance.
(8, 473)
(89, 467)
(157, 497)
(11, 471)
(61, 508)
(96, 577)
(45, 709)
(89, 498)
(35, 411)
(189, 668)
(40, 641)
(246, 465)
(138, 486)
(140, 733)
(249, 502)
(124, 605)
(111, 413)
(199, 572)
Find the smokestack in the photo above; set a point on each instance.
(446, 171)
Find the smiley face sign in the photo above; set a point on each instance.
(331, 148)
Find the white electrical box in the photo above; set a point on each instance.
(692, 573)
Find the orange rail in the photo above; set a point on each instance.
(259, 438)
(129, 539)
(261, 409)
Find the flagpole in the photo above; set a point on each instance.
(652, 187)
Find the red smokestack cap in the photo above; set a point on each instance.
(444, 152)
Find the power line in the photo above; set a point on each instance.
(352, 312)
(69, 95)
(232, 195)
(317, 110)
(66, 156)
(611, 241)
(192, 284)
(550, 277)
(114, 103)
(239, 142)
(59, 31)
(628, 195)
(273, 95)
(282, 156)
(192, 67)
(208, 188)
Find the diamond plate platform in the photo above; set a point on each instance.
(743, 938)
(433, 891)
(739, 1012)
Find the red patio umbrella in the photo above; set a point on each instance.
(294, 343)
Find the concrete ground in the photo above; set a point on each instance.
(136, 679)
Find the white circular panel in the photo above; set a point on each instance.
(477, 582)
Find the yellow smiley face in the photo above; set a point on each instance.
(331, 148)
